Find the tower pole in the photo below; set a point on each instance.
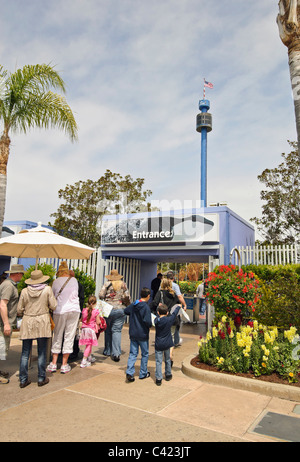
(204, 126)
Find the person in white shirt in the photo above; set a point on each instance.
(201, 296)
(66, 317)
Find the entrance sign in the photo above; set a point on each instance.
(160, 227)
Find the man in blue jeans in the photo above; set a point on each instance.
(139, 324)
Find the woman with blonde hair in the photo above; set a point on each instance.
(114, 292)
(165, 295)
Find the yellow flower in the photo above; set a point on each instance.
(224, 318)
(290, 334)
(220, 360)
(266, 351)
(263, 365)
(214, 332)
(269, 337)
(291, 374)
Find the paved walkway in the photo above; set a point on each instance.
(96, 403)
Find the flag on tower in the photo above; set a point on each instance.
(208, 84)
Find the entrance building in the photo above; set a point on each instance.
(204, 235)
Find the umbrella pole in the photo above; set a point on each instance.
(36, 262)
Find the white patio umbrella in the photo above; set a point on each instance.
(42, 242)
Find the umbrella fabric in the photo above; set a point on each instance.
(42, 242)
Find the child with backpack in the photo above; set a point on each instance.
(163, 341)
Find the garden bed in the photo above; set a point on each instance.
(272, 378)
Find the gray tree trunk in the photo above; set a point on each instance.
(294, 64)
(3, 182)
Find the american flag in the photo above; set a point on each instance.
(208, 84)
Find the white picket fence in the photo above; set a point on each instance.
(98, 268)
(130, 268)
(268, 255)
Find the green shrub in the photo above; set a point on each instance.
(279, 303)
(269, 272)
(233, 292)
(188, 287)
(87, 282)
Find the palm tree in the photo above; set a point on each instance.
(288, 21)
(26, 101)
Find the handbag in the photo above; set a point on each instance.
(102, 326)
(52, 323)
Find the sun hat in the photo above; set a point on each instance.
(37, 277)
(16, 269)
(114, 276)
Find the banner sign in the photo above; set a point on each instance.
(145, 228)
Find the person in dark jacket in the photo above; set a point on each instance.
(155, 284)
(163, 340)
(167, 296)
(140, 322)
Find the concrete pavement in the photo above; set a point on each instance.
(96, 403)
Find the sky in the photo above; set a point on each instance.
(134, 74)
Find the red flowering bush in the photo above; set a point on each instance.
(233, 293)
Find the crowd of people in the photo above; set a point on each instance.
(51, 315)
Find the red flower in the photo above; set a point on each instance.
(237, 321)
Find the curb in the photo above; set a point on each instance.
(256, 386)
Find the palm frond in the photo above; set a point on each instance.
(48, 110)
(27, 101)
